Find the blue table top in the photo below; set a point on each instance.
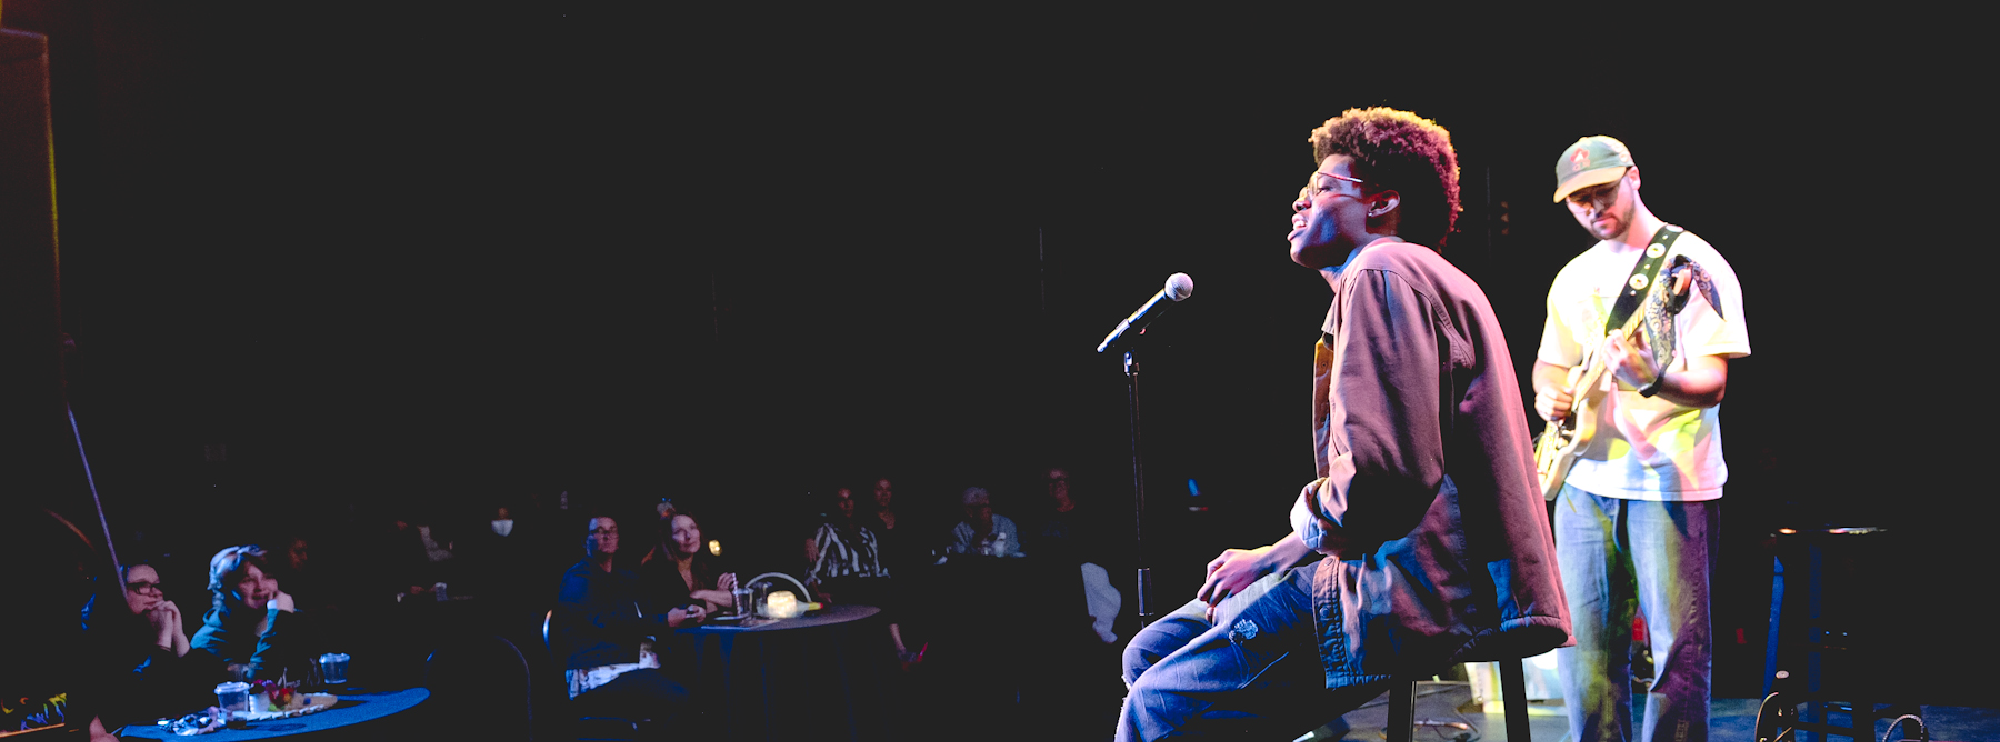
(834, 614)
(353, 708)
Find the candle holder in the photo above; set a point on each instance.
(761, 587)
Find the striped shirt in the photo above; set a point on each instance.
(846, 553)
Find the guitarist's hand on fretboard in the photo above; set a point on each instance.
(1631, 363)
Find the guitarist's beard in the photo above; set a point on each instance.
(1619, 220)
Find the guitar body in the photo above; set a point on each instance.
(1563, 441)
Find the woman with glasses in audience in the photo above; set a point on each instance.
(146, 601)
(150, 643)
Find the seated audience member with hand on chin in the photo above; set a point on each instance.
(155, 682)
(243, 622)
(682, 572)
(601, 616)
(162, 617)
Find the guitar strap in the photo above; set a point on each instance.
(1643, 274)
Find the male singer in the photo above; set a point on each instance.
(1426, 505)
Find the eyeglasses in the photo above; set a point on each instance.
(142, 586)
(1605, 193)
(1313, 187)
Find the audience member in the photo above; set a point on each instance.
(1072, 532)
(904, 552)
(601, 617)
(149, 644)
(904, 544)
(496, 554)
(847, 566)
(243, 623)
(1063, 527)
(291, 568)
(145, 599)
(680, 571)
(439, 543)
(983, 531)
(403, 561)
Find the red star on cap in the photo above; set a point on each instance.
(1580, 159)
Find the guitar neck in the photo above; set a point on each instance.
(1595, 369)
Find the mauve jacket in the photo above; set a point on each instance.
(1440, 536)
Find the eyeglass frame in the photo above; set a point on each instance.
(142, 585)
(1312, 189)
(1606, 187)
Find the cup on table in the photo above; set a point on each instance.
(742, 598)
(333, 667)
(233, 697)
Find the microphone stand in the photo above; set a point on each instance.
(1126, 336)
(1145, 575)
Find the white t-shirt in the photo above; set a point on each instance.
(1657, 450)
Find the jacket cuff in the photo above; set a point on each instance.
(1307, 522)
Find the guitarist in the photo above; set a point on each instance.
(1641, 508)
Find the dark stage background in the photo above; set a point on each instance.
(396, 265)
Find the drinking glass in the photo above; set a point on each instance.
(333, 666)
(233, 696)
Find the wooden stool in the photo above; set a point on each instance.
(1809, 632)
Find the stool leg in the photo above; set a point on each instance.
(1402, 710)
(1772, 637)
(1514, 697)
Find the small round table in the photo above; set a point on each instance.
(352, 709)
(819, 675)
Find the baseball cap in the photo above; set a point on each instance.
(1590, 161)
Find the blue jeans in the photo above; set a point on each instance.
(1616, 553)
(1185, 624)
(1255, 671)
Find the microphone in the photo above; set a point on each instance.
(1179, 287)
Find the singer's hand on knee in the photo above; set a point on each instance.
(1233, 571)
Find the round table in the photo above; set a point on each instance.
(352, 709)
(819, 675)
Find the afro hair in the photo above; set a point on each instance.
(1404, 152)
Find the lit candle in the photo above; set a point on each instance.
(714, 547)
(783, 605)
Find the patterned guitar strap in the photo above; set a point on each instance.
(1658, 328)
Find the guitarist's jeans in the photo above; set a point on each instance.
(1613, 551)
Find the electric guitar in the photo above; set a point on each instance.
(1564, 441)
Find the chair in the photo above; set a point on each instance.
(591, 728)
(481, 688)
(1513, 695)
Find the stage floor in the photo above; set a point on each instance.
(1730, 719)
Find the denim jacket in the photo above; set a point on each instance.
(1427, 496)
